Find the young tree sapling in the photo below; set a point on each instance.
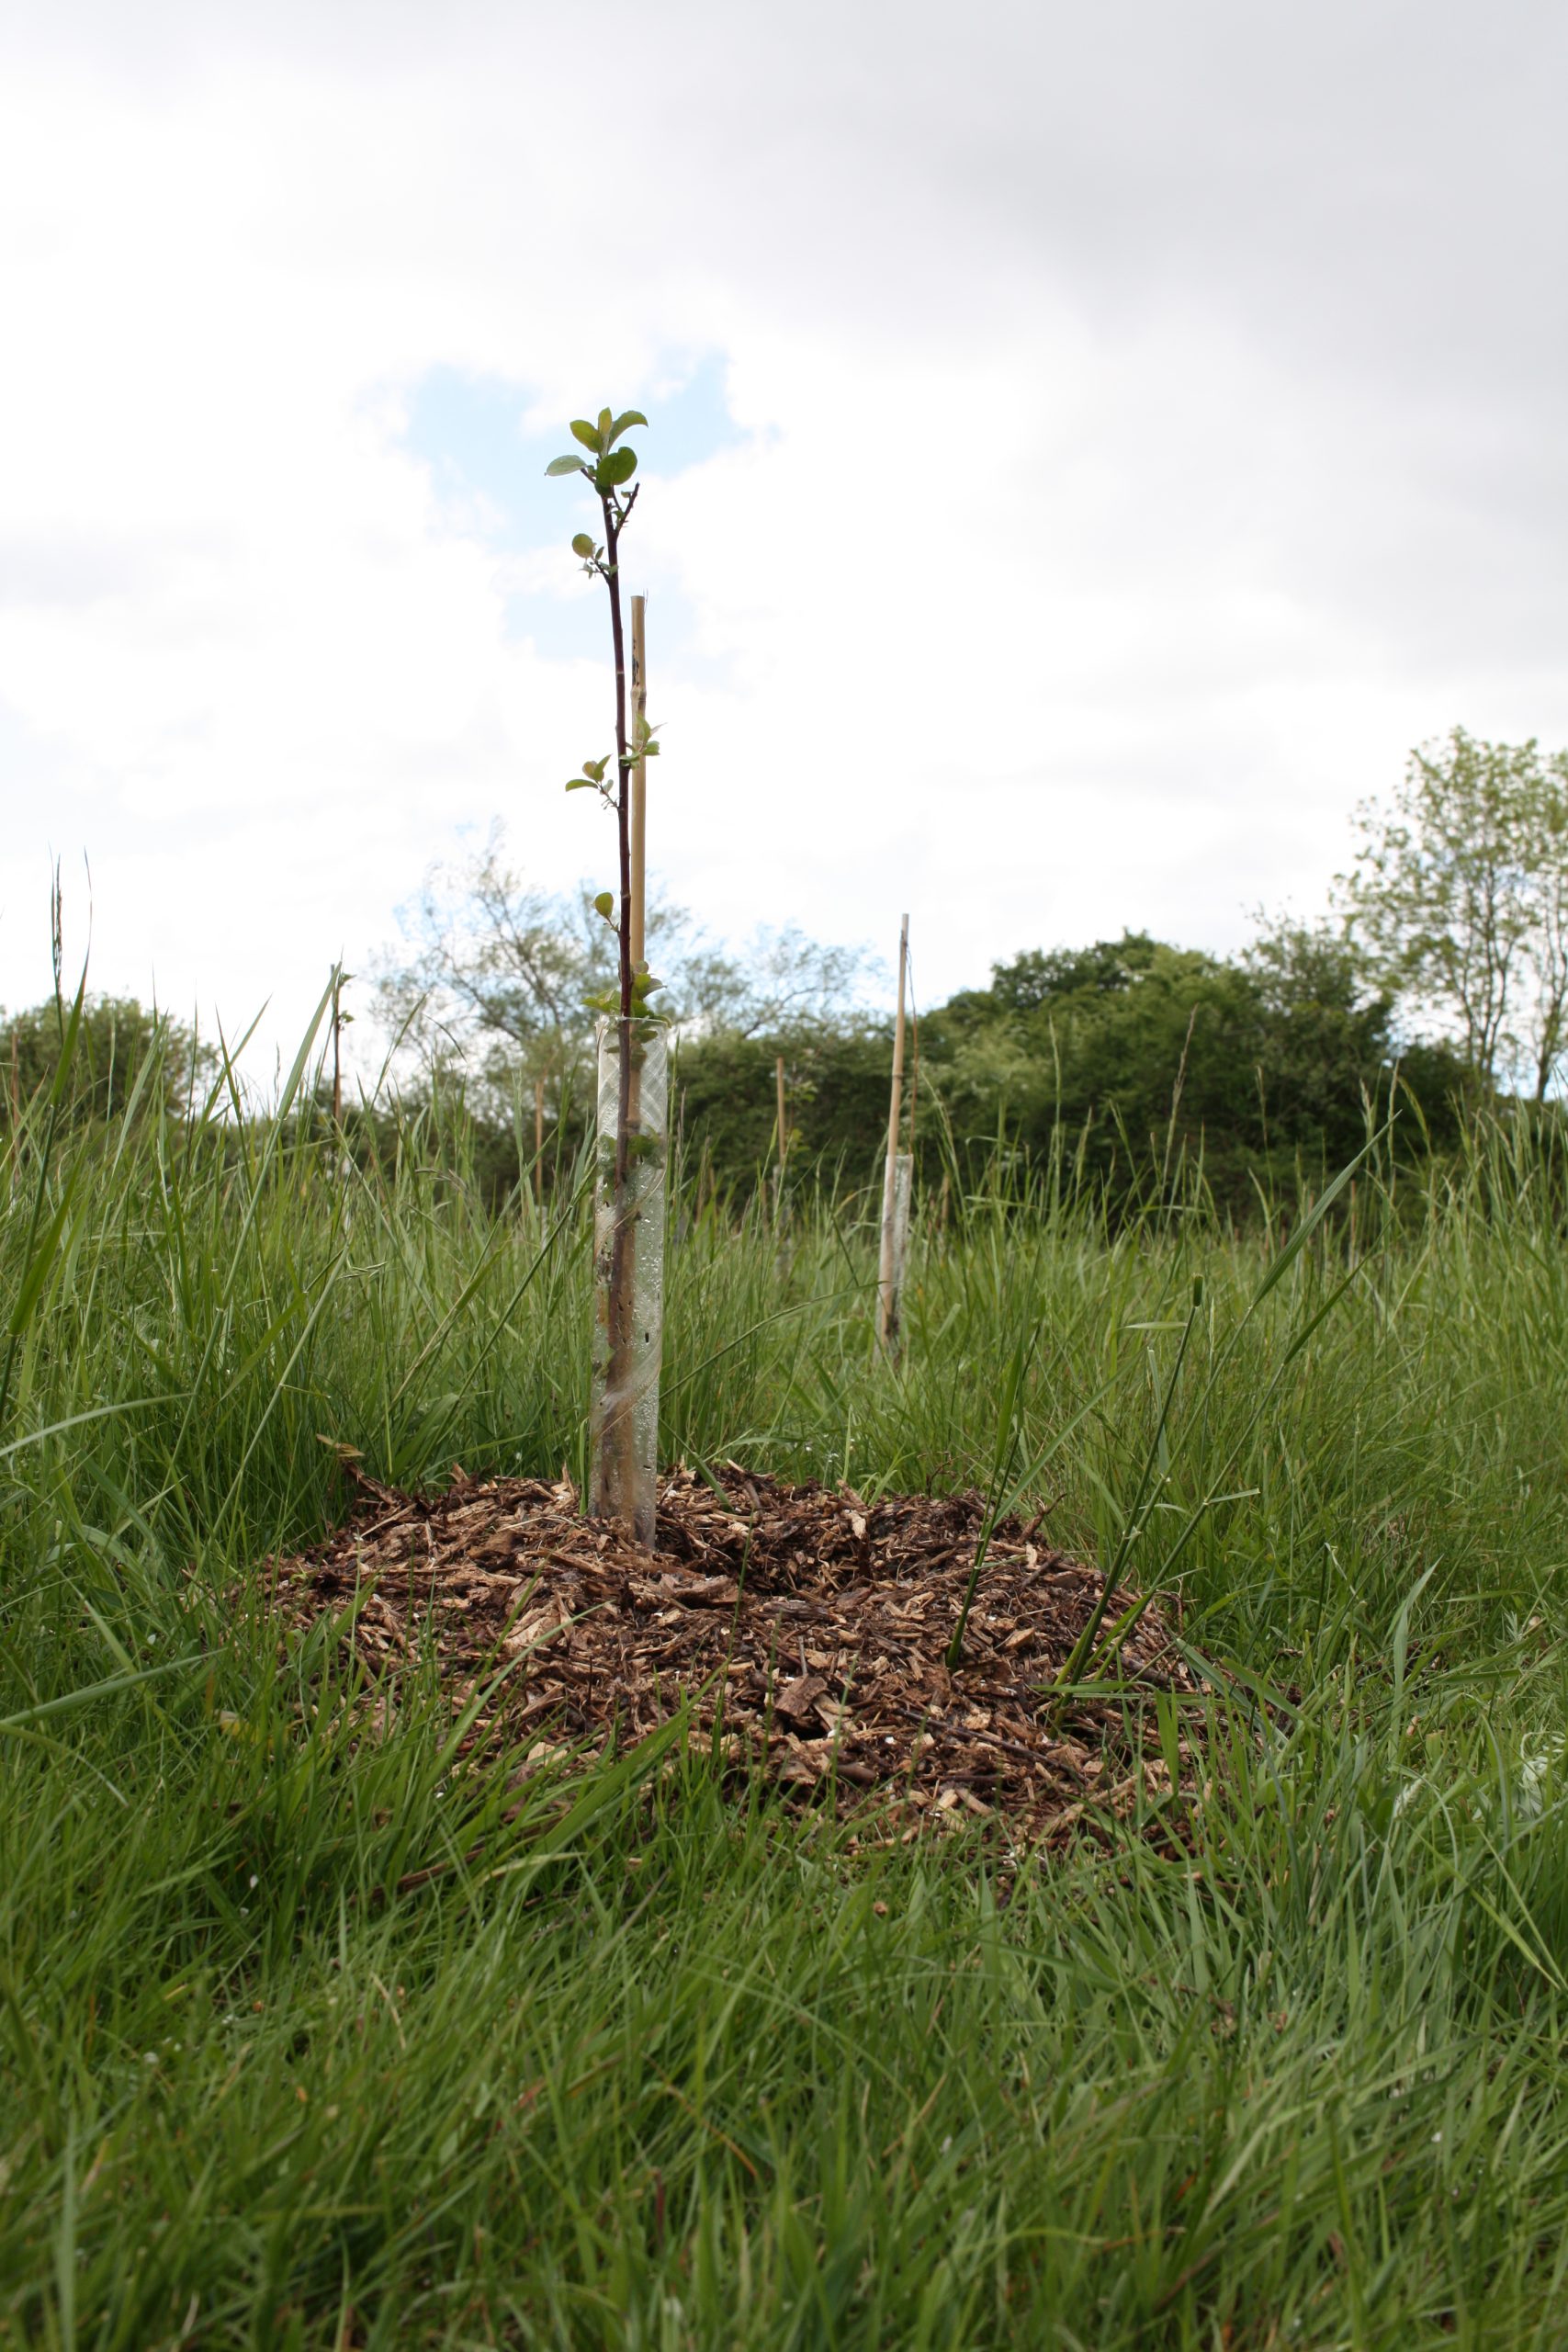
(621, 1483)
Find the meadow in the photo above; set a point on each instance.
(668, 2068)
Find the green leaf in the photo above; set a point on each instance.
(97, 1691)
(603, 425)
(37, 1273)
(624, 425)
(582, 545)
(605, 905)
(591, 436)
(618, 468)
(568, 465)
(581, 783)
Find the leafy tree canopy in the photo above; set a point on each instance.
(1457, 898)
(116, 1039)
(1133, 1052)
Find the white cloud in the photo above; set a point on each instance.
(1154, 434)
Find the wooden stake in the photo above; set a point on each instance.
(539, 1139)
(784, 1131)
(887, 1285)
(639, 780)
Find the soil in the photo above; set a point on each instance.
(805, 1628)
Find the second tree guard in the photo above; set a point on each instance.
(889, 1268)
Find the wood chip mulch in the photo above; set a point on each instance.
(806, 1627)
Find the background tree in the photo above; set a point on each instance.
(1546, 945)
(1133, 1056)
(116, 1037)
(836, 1075)
(494, 979)
(489, 964)
(1459, 899)
(1129, 1055)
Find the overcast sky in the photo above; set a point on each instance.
(1088, 448)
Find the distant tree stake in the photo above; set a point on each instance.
(889, 1271)
(781, 1134)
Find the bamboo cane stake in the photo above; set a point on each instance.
(887, 1285)
(639, 780)
(638, 836)
(637, 829)
(538, 1140)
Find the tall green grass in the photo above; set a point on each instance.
(658, 2068)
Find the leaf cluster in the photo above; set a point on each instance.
(595, 774)
(610, 468)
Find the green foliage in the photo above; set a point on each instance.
(1132, 1055)
(608, 1001)
(116, 1036)
(593, 779)
(1120, 1071)
(1071, 1061)
(497, 983)
(612, 471)
(836, 1081)
(315, 2033)
(1460, 896)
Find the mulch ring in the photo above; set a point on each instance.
(807, 1629)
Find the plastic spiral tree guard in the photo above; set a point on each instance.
(628, 1273)
(903, 1185)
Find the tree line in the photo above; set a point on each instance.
(1436, 983)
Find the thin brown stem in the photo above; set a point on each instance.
(613, 522)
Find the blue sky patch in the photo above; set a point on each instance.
(488, 465)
